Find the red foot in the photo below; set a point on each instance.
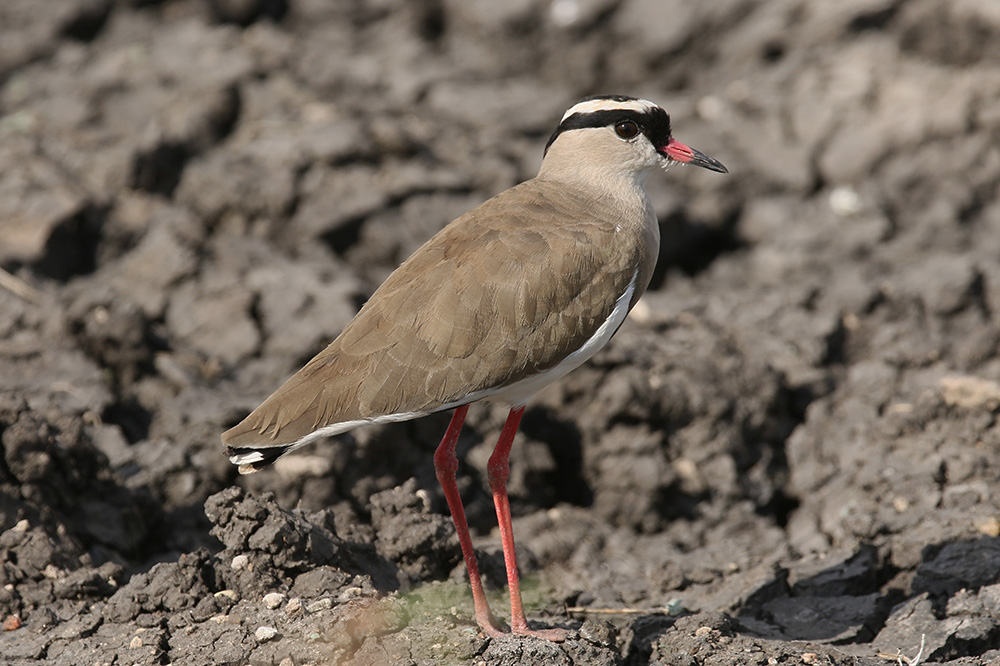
(489, 624)
(494, 629)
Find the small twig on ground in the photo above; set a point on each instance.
(900, 659)
(18, 287)
(608, 611)
(621, 611)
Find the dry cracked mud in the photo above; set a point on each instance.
(788, 455)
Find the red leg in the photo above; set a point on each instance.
(446, 465)
(498, 471)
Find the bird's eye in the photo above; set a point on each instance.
(627, 129)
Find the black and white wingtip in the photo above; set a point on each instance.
(254, 460)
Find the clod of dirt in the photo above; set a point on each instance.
(282, 547)
(423, 545)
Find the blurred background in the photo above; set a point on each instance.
(197, 195)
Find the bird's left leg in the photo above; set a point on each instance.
(498, 471)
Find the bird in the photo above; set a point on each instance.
(503, 301)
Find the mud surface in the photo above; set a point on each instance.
(789, 454)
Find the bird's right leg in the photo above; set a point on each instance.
(446, 465)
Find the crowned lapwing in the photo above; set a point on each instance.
(504, 300)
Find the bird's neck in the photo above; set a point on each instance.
(624, 190)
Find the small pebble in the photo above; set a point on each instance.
(425, 498)
(641, 312)
(239, 562)
(229, 594)
(845, 200)
(136, 642)
(11, 622)
(287, 661)
(565, 13)
(809, 657)
(294, 606)
(352, 592)
(989, 527)
(320, 604)
(21, 526)
(273, 600)
(675, 607)
(598, 632)
(264, 634)
(710, 107)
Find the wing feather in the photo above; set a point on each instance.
(506, 291)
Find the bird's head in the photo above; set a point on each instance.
(619, 135)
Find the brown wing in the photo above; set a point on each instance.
(503, 292)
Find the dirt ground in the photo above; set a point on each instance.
(788, 455)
